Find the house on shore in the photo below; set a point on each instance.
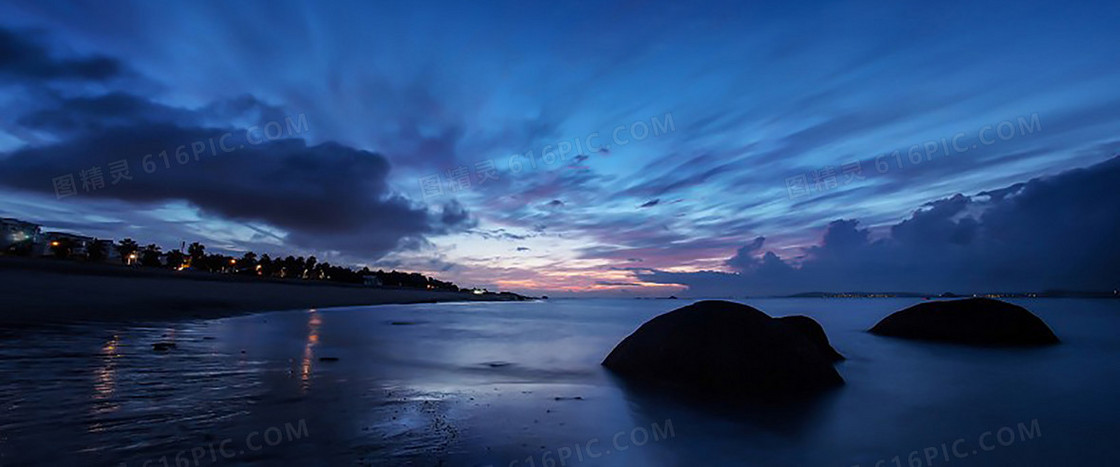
(16, 235)
(79, 244)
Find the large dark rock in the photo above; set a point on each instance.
(813, 330)
(974, 321)
(730, 349)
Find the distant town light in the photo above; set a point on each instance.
(54, 243)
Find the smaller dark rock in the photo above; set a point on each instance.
(328, 359)
(972, 321)
(163, 346)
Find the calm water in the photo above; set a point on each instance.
(518, 384)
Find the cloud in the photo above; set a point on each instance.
(650, 203)
(455, 215)
(618, 284)
(90, 114)
(1050, 232)
(25, 58)
(744, 259)
(326, 196)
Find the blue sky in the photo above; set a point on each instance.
(749, 98)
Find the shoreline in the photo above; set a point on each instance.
(45, 292)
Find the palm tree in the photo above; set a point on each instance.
(150, 256)
(96, 251)
(266, 266)
(175, 259)
(248, 263)
(197, 252)
(127, 248)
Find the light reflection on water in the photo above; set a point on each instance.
(313, 322)
(477, 384)
(105, 383)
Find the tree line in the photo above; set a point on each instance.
(196, 258)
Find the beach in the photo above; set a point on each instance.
(519, 385)
(43, 291)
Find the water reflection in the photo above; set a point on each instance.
(313, 323)
(493, 383)
(105, 382)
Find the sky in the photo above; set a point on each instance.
(583, 148)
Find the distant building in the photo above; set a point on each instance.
(110, 249)
(371, 281)
(79, 244)
(16, 234)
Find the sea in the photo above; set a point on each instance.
(519, 384)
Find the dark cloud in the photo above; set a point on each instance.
(744, 258)
(1051, 232)
(650, 203)
(97, 113)
(455, 215)
(498, 234)
(22, 57)
(326, 196)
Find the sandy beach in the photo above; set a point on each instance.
(43, 291)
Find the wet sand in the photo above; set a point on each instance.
(44, 291)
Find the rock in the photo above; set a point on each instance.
(973, 321)
(328, 359)
(813, 330)
(728, 349)
(163, 346)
